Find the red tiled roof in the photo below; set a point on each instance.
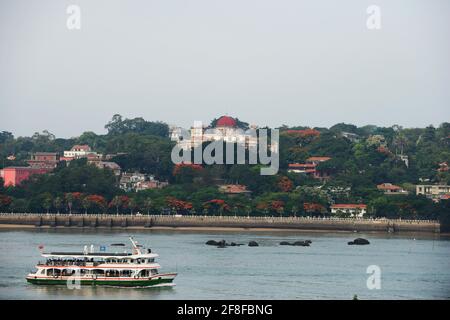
(307, 132)
(302, 165)
(349, 206)
(310, 159)
(83, 147)
(234, 188)
(387, 186)
(226, 121)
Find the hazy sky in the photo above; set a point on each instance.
(268, 62)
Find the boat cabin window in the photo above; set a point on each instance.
(98, 272)
(53, 272)
(112, 273)
(154, 271)
(68, 272)
(144, 273)
(125, 273)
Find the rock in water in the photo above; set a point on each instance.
(212, 243)
(301, 243)
(253, 244)
(285, 243)
(359, 241)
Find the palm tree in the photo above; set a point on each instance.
(294, 211)
(132, 204)
(69, 201)
(47, 202)
(116, 202)
(280, 211)
(86, 204)
(148, 204)
(248, 209)
(58, 203)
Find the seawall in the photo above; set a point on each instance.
(151, 221)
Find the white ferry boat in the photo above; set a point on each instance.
(123, 269)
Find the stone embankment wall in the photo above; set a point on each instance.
(300, 223)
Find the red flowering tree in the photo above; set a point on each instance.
(285, 184)
(304, 133)
(302, 137)
(95, 202)
(277, 206)
(73, 199)
(5, 201)
(262, 207)
(216, 205)
(119, 202)
(310, 207)
(179, 206)
(180, 167)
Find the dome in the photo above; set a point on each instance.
(226, 121)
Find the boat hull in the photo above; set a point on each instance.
(139, 282)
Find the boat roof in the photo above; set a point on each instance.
(102, 254)
(99, 255)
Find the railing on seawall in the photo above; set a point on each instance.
(155, 220)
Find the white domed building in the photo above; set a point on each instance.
(224, 129)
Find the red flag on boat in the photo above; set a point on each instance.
(41, 247)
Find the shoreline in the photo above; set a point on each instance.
(215, 229)
(219, 223)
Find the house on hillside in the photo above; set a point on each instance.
(114, 167)
(139, 181)
(433, 191)
(225, 129)
(44, 160)
(389, 188)
(352, 137)
(78, 151)
(310, 168)
(234, 189)
(14, 176)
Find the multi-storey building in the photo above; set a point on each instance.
(433, 191)
(226, 129)
(46, 160)
(14, 176)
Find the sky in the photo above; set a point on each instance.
(267, 62)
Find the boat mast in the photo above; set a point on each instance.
(136, 249)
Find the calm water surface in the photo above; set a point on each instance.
(412, 266)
